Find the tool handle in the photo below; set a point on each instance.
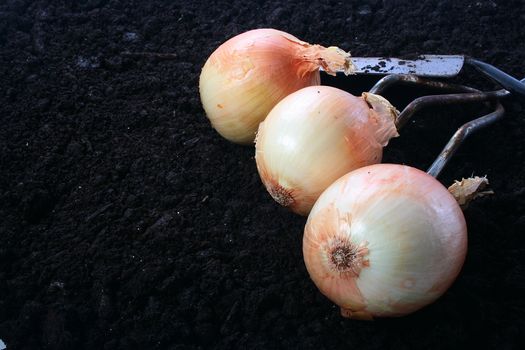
(508, 82)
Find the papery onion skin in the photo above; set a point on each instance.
(316, 135)
(247, 75)
(408, 237)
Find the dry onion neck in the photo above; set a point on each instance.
(331, 59)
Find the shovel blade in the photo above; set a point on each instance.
(425, 65)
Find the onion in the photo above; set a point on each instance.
(247, 75)
(316, 135)
(384, 240)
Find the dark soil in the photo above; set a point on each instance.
(129, 223)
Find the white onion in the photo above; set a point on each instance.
(316, 135)
(384, 240)
(246, 76)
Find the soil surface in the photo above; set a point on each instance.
(129, 223)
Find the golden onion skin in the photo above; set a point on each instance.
(249, 74)
(316, 135)
(384, 240)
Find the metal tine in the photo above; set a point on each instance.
(460, 135)
(410, 79)
(468, 94)
(449, 99)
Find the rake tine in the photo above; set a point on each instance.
(461, 134)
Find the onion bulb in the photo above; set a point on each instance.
(316, 135)
(247, 75)
(384, 240)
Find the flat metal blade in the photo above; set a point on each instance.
(425, 65)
